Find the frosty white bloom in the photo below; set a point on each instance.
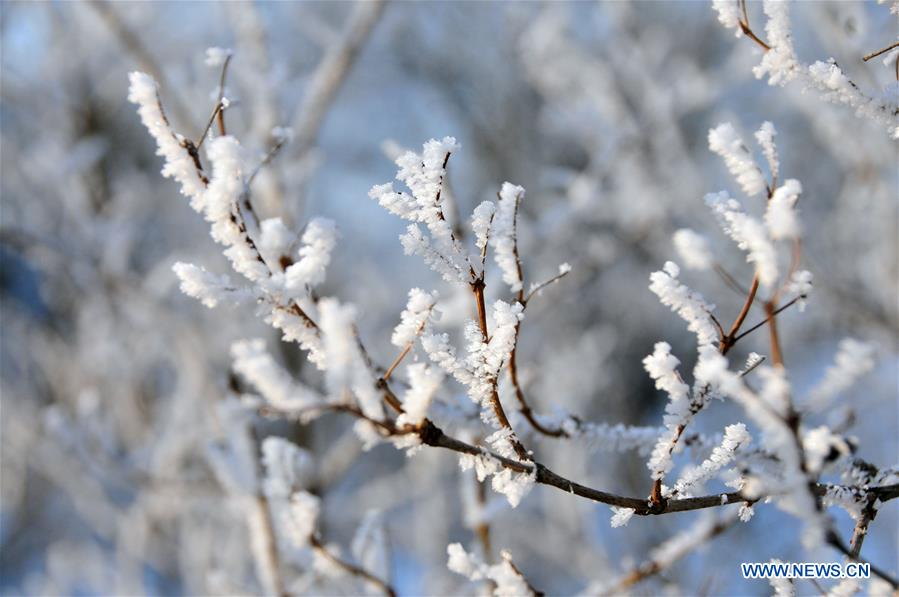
(735, 437)
(219, 205)
(295, 328)
(621, 516)
(443, 354)
(775, 390)
(282, 134)
(503, 234)
(707, 526)
(347, 374)
(769, 408)
(853, 360)
(749, 234)
(484, 359)
(693, 249)
(765, 137)
(753, 359)
(179, 166)
(729, 14)
(274, 241)
(254, 363)
(423, 384)
(506, 318)
(370, 435)
(711, 367)
(217, 56)
(319, 241)
(688, 304)
(415, 317)
(801, 285)
(514, 485)
(781, 65)
(483, 464)
(210, 289)
(564, 268)
(508, 580)
(336, 322)
(836, 88)
(462, 563)
(845, 588)
(612, 438)
(287, 467)
(821, 444)
(779, 62)
(416, 243)
(781, 216)
(725, 141)
(303, 513)
(423, 174)
(481, 218)
(662, 367)
(746, 512)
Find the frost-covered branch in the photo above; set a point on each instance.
(781, 65)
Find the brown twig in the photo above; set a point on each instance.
(221, 97)
(729, 280)
(747, 30)
(397, 361)
(867, 515)
(406, 348)
(534, 591)
(729, 340)
(771, 314)
(780, 309)
(834, 540)
(482, 529)
(477, 288)
(543, 285)
(523, 406)
(362, 573)
(431, 435)
(654, 566)
(877, 53)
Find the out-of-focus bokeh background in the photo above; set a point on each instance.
(110, 377)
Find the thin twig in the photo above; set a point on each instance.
(838, 544)
(478, 289)
(780, 309)
(877, 53)
(543, 285)
(744, 26)
(654, 566)
(215, 112)
(868, 513)
(221, 98)
(728, 341)
(776, 354)
(729, 280)
(139, 51)
(362, 573)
